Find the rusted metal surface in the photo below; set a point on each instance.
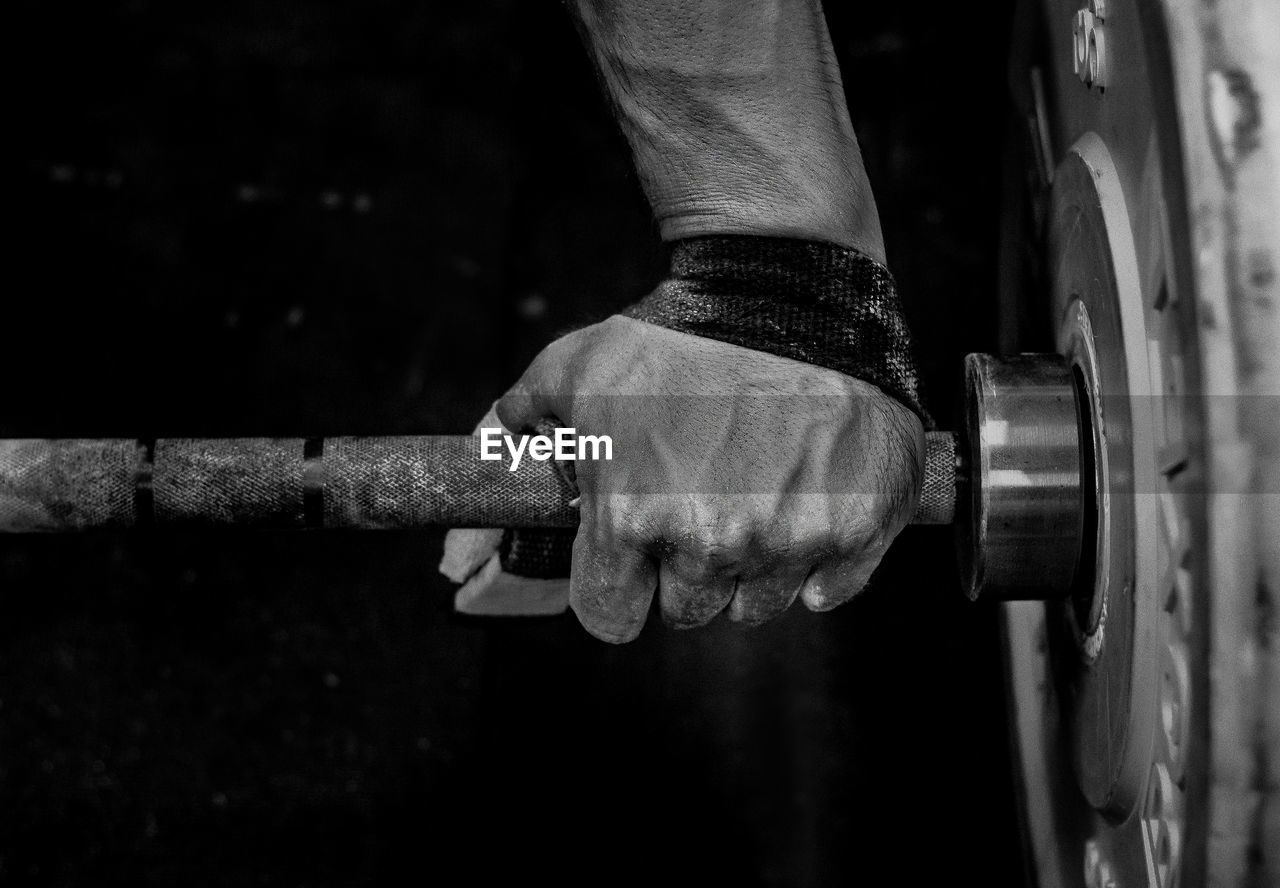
(364, 483)
(244, 481)
(350, 482)
(373, 483)
(1171, 254)
(67, 485)
(1228, 89)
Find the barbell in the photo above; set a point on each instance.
(1013, 482)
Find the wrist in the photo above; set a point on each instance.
(770, 209)
(810, 301)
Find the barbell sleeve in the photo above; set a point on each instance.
(54, 485)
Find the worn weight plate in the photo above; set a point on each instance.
(1142, 735)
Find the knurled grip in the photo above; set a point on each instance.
(938, 492)
(57, 485)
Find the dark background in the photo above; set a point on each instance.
(323, 218)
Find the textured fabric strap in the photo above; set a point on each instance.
(542, 554)
(814, 302)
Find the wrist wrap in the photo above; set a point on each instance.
(815, 302)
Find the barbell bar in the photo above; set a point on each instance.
(1012, 482)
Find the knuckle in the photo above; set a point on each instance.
(868, 525)
(799, 541)
(705, 555)
(712, 540)
(625, 523)
(877, 535)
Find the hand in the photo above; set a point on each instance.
(739, 479)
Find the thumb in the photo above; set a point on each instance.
(539, 393)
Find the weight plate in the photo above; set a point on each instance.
(1143, 742)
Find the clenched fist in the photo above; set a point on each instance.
(739, 479)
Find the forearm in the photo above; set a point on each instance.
(736, 117)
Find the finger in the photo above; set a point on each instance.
(834, 582)
(763, 596)
(611, 586)
(692, 593)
